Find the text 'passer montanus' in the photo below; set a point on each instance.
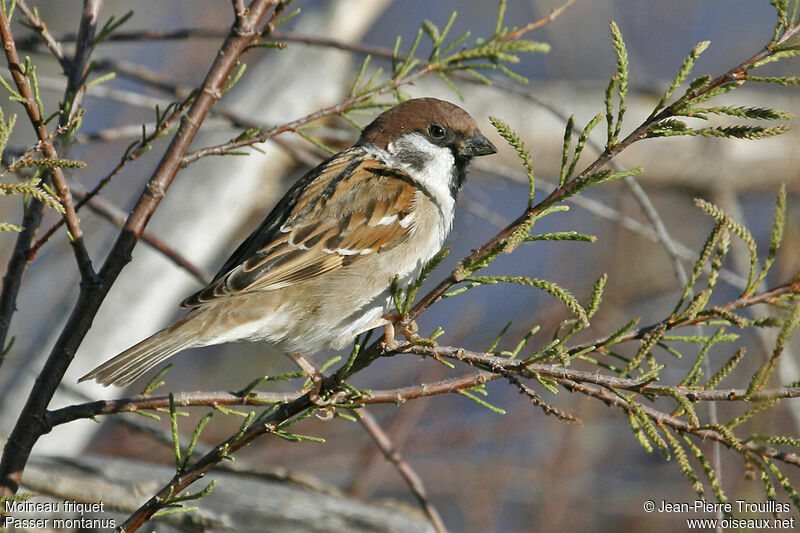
(318, 270)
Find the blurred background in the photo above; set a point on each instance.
(518, 472)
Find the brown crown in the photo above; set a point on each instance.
(416, 115)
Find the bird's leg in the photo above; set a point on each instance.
(396, 324)
(315, 376)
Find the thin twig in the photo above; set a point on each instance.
(109, 211)
(22, 256)
(29, 426)
(134, 154)
(405, 470)
(37, 120)
(607, 155)
(612, 399)
(541, 22)
(399, 395)
(52, 44)
(602, 210)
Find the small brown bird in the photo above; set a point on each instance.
(318, 270)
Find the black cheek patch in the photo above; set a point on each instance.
(414, 159)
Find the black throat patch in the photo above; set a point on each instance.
(459, 172)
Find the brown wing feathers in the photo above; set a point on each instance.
(304, 246)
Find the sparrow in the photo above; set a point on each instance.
(318, 270)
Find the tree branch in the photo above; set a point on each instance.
(393, 455)
(607, 155)
(44, 34)
(18, 263)
(30, 425)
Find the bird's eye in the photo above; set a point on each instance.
(437, 131)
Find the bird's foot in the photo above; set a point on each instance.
(396, 324)
(315, 376)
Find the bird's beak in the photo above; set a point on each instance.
(476, 145)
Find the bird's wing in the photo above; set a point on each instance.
(345, 209)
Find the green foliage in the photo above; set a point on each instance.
(708, 470)
(601, 176)
(173, 503)
(633, 380)
(726, 369)
(493, 53)
(5, 129)
(234, 77)
(412, 290)
(645, 429)
(471, 394)
(620, 82)
(156, 381)
(519, 146)
(742, 232)
(649, 340)
(696, 372)
(683, 73)
(762, 375)
(562, 236)
(786, 485)
(683, 462)
(8, 7)
(112, 24)
(32, 187)
(549, 287)
(776, 236)
(566, 173)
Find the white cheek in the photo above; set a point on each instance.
(435, 175)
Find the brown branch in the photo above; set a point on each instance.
(767, 297)
(660, 418)
(30, 425)
(567, 189)
(17, 266)
(44, 34)
(134, 154)
(500, 365)
(294, 125)
(541, 22)
(285, 411)
(182, 399)
(401, 395)
(37, 120)
(212, 399)
(109, 211)
(393, 455)
(497, 364)
(23, 248)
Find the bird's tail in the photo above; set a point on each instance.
(136, 360)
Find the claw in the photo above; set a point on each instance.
(389, 341)
(316, 379)
(395, 324)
